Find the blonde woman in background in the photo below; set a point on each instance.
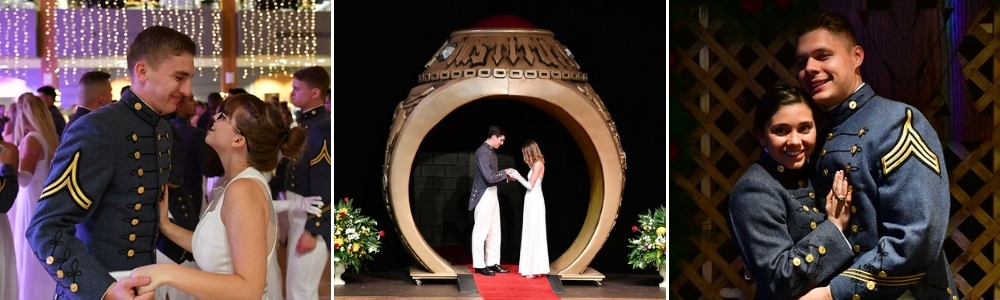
(34, 134)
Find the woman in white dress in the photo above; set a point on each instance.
(234, 243)
(35, 135)
(8, 265)
(534, 245)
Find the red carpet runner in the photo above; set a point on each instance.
(512, 286)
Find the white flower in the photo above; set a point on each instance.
(349, 231)
(372, 250)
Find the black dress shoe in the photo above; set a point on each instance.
(485, 271)
(498, 269)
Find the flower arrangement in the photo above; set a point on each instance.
(355, 237)
(650, 247)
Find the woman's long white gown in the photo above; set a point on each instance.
(534, 244)
(34, 281)
(210, 246)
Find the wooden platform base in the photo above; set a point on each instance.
(588, 275)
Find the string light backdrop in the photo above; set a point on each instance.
(15, 38)
(98, 38)
(277, 39)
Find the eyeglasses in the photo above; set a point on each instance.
(222, 115)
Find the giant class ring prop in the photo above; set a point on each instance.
(526, 65)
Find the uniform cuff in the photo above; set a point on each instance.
(7, 170)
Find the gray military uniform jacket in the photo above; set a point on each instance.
(786, 242)
(310, 175)
(895, 165)
(98, 209)
(485, 173)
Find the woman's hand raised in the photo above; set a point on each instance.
(838, 201)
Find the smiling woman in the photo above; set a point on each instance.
(774, 215)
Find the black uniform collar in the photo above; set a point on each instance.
(312, 113)
(782, 173)
(136, 105)
(488, 146)
(853, 103)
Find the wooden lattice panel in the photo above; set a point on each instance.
(727, 79)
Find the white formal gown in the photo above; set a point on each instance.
(534, 244)
(210, 246)
(34, 281)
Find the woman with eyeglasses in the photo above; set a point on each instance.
(234, 243)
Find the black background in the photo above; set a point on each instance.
(380, 47)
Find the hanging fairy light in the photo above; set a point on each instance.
(14, 33)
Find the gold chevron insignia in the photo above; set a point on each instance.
(68, 180)
(910, 144)
(3, 183)
(324, 154)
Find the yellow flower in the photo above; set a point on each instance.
(356, 247)
(645, 227)
(661, 231)
(338, 241)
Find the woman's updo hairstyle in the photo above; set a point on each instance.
(265, 130)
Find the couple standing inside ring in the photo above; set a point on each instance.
(534, 261)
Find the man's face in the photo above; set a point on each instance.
(303, 96)
(105, 96)
(47, 99)
(496, 141)
(167, 83)
(828, 66)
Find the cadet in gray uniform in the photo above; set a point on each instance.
(895, 164)
(787, 245)
(97, 216)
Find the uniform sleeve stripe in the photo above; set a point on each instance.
(910, 144)
(68, 179)
(324, 155)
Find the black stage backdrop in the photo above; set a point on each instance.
(380, 47)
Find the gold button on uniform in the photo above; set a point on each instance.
(815, 210)
(857, 249)
(796, 261)
(141, 190)
(822, 250)
(856, 297)
(135, 137)
(829, 136)
(884, 275)
(135, 222)
(317, 223)
(854, 209)
(805, 207)
(137, 155)
(948, 290)
(60, 274)
(140, 172)
(826, 172)
(131, 237)
(73, 287)
(953, 297)
(49, 260)
(812, 224)
(870, 285)
(854, 149)
(131, 252)
(854, 228)
(852, 105)
(802, 183)
(812, 195)
(138, 206)
(822, 152)
(137, 106)
(810, 258)
(781, 168)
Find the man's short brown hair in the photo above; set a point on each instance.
(155, 43)
(316, 77)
